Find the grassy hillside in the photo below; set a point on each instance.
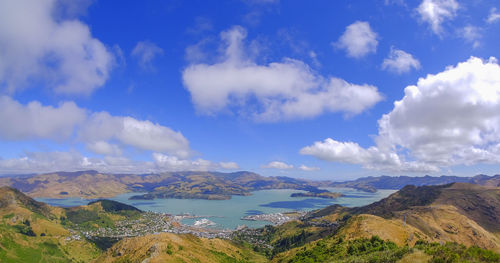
(449, 223)
(168, 247)
(32, 232)
(377, 250)
(417, 224)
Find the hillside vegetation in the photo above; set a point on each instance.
(31, 231)
(457, 222)
(447, 223)
(168, 247)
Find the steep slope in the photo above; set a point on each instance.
(449, 223)
(464, 213)
(30, 231)
(166, 247)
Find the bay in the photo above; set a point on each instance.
(227, 213)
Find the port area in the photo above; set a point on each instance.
(276, 218)
(155, 223)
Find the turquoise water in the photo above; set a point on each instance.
(227, 213)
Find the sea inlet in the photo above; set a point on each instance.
(227, 214)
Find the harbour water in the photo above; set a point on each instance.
(227, 213)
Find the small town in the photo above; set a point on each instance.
(154, 223)
(275, 218)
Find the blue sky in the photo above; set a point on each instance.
(296, 88)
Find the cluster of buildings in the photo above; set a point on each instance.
(274, 218)
(153, 223)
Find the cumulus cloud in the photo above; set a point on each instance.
(60, 51)
(35, 121)
(41, 162)
(446, 119)
(358, 40)
(67, 121)
(400, 62)
(278, 165)
(435, 12)
(145, 52)
(104, 148)
(172, 163)
(284, 90)
(308, 168)
(143, 135)
(35, 162)
(493, 16)
(371, 158)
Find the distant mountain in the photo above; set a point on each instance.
(204, 185)
(371, 183)
(457, 222)
(194, 185)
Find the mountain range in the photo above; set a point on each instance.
(457, 222)
(203, 185)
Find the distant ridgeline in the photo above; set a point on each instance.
(206, 185)
(371, 184)
(456, 222)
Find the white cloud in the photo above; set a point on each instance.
(35, 162)
(145, 52)
(36, 46)
(229, 165)
(358, 40)
(278, 165)
(42, 162)
(447, 119)
(371, 158)
(314, 58)
(278, 91)
(400, 62)
(104, 148)
(35, 121)
(435, 12)
(172, 163)
(308, 168)
(493, 16)
(471, 34)
(143, 135)
(67, 121)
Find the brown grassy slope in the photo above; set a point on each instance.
(481, 204)
(85, 185)
(167, 247)
(11, 197)
(366, 226)
(48, 234)
(463, 213)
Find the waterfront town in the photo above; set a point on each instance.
(154, 223)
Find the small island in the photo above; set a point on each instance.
(326, 194)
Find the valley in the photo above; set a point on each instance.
(457, 220)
